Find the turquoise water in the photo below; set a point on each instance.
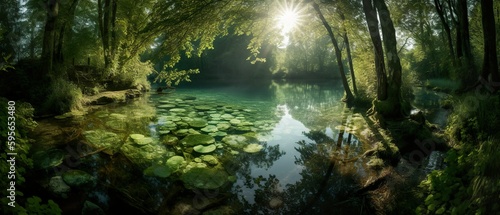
(272, 148)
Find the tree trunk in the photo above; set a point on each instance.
(490, 61)
(440, 10)
(372, 22)
(349, 57)
(393, 62)
(49, 36)
(349, 96)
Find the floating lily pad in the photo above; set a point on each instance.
(204, 149)
(227, 116)
(253, 148)
(223, 126)
(177, 110)
(218, 134)
(103, 139)
(175, 162)
(166, 106)
(198, 123)
(203, 107)
(141, 139)
(162, 171)
(210, 159)
(197, 139)
(204, 178)
(236, 141)
(210, 129)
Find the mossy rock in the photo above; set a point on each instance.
(204, 178)
(49, 158)
(77, 178)
(197, 139)
(204, 149)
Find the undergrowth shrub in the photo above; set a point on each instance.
(64, 96)
(470, 183)
(24, 124)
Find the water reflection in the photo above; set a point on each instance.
(289, 148)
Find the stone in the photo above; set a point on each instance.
(48, 158)
(77, 178)
(197, 139)
(58, 187)
(90, 208)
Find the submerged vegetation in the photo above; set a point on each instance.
(415, 106)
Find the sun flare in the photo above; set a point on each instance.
(288, 19)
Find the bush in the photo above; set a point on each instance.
(64, 97)
(24, 123)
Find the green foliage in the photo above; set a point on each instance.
(175, 76)
(5, 65)
(64, 96)
(468, 185)
(33, 206)
(474, 118)
(24, 125)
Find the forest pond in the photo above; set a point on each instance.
(217, 148)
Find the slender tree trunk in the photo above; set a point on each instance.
(349, 96)
(69, 16)
(349, 57)
(49, 36)
(490, 61)
(372, 21)
(441, 11)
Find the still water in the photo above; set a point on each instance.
(218, 148)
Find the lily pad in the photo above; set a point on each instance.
(210, 159)
(236, 141)
(253, 148)
(197, 139)
(204, 149)
(103, 139)
(177, 110)
(204, 178)
(223, 126)
(175, 162)
(210, 129)
(162, 171)
(166, 106)
(203, 107)
(141, 139)
(197, 123)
